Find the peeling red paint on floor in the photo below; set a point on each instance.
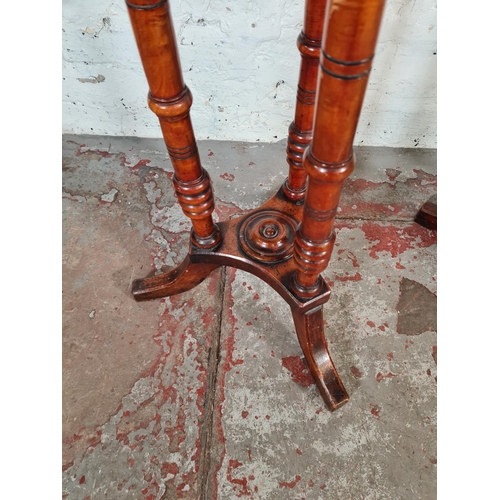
(392, 173)
(396, 240)
(380, 377)
(290, 484)
(368, 199)
(299, 370)
(375, 410)
(241, 484)
(356, 277)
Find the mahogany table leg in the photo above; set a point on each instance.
(349, 39)
(311, 336)
(170, 99)
(300, 130)
(181, 279)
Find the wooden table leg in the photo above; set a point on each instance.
(170, 99)
(349, 40)
(300, 130)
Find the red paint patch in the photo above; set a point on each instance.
(142, 163)
(298, 452)
(380, 377)
(356, 277)
(370, 324)
(357, 373)
(392, 173)
(211, 153)
(242, 483)
(93, 152)
(390, 356)
(396, 240)
(227, 177)
(352, 257)
(244, 414)
(299, 370)
(256, 297)
(169, 468)
(251, 163)
(290, 484)
(82, 480)
(375, 411)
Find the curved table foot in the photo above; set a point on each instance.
(310, 332)
(181, 279)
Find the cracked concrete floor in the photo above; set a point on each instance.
(206, 394)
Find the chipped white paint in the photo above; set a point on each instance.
(241, 62)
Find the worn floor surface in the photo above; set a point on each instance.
(205, 395)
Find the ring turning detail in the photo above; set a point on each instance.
(267, 236)
(288, 241)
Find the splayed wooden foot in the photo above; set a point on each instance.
(311, 336)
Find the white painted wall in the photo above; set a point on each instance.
(240, 60)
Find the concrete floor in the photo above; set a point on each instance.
(206, 395)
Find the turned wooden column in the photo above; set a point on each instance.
(170, 99)
(349, 39)
(300, 130)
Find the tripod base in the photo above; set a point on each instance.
(261, 243)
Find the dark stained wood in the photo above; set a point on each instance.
(427, 215)
(179, 280)
(300, 130)
(286, 242)
(349, 39)
(276, 271)
(311, 336)
(170, 99)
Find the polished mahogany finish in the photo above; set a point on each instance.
(286, 242)
(171, 100)
(300, 131)
(350, 35)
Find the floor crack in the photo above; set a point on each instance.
(213, 369)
